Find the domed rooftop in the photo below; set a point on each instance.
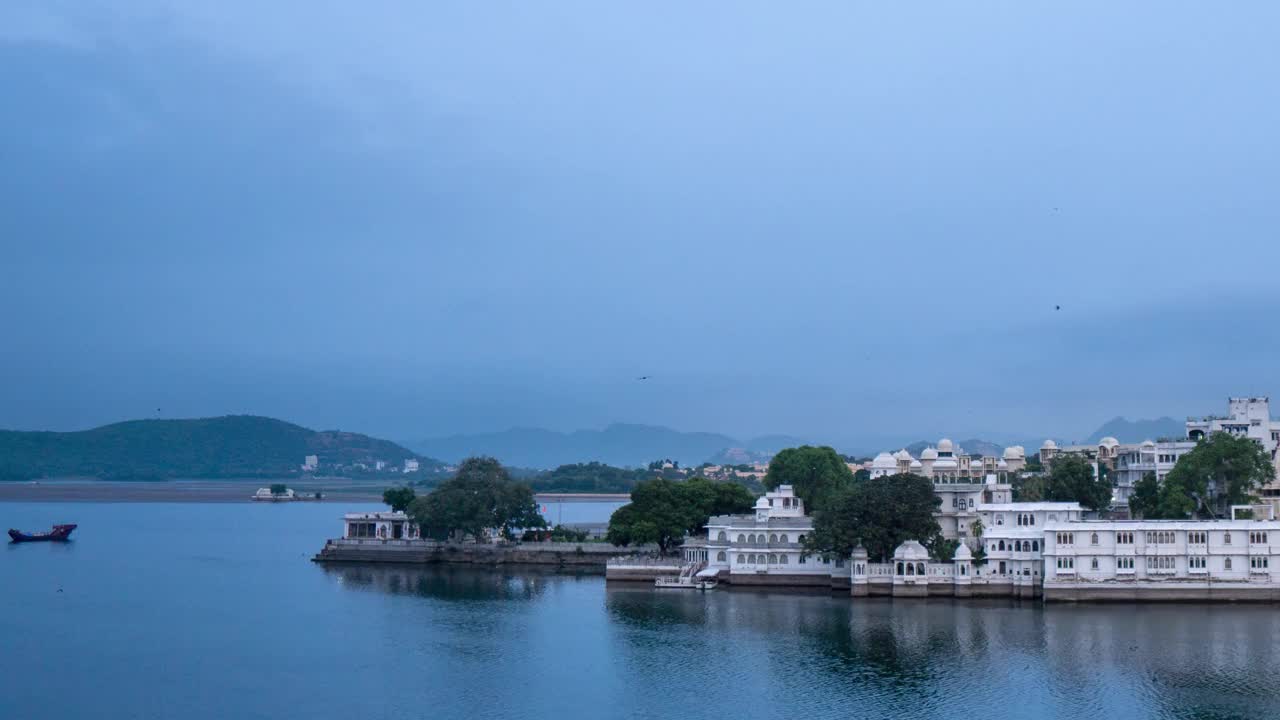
(762, 503)
(945, 445)
(929, 454)
(916, 464)
(1013, 452)
(1001, 464)
(1049, 445)
(902, 455)
(963, 552)
(911, 550)
(1148, 444)
(884, 461)
(1108, 442)
(859, 553)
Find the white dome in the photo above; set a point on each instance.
(1001, 464)
(902, 455)
(762, 503)
(915, 464)
(859, 553)
(1148, 443)
(1010, 453)
(1049, 445)
(929, 454)
(911, 550)
(1022, 452)
(884, 461)
(945, 445)
(1108, 442)
(963, 552)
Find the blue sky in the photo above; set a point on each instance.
(847, 221)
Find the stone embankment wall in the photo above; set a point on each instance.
(1167, 591)
(577, 555)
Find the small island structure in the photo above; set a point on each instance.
(279, 492)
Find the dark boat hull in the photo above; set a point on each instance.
(59, 533)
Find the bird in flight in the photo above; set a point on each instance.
(643, 377)
(1057, 307)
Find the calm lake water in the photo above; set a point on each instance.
(214, 611)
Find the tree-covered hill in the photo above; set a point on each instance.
(231, 446)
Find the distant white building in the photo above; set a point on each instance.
(310, 463)
(1131, 462)
(410, 465)
(394, 525)
(1246, 417)
(379, 465)
(767, 546)
(265, 495)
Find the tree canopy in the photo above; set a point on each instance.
(880, 513)
(1220, 471)
(480, 497)
(1071, 479)
(815, 473)
(1144, 501)
(662, 511)
(398, 497)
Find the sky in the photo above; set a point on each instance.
(853, 222)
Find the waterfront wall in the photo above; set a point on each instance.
(578, 555)
(1162, 592)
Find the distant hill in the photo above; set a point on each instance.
(972, 446)
(622, 445)
(1135, 431)
(231, 446)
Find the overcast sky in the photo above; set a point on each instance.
(850, 221)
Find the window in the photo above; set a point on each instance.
(782, 538)
(1226, 563)
(720, 556)
(970, 503)
(1001, 545)
(1095, 542)
(782, 559)
(1197, 537)
(1093, 565)
(1035, 546)
(1066, 563)
(742, 559)
(1124, 563)
(1257, 538)
(804, 559)
(1066, 538)
(773, 537)
(954, 502)
(773, 559)
(1000, 519)
(1160, 564)
(1258, 562)
(1124, 538)
(1196, 562)
(1226, 538)
(742, 539)
(800, 539)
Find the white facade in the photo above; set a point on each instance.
(265, 494)
(1246, 417)
(962, 482)
(1131, 462)
(310, 463)
(410, 466)
(1163, 553)
(1013, 536)
(768, 541)
(393, 525)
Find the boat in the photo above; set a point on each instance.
(60, 533)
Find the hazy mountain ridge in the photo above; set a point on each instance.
(1135, 431)
(229, 446)
(619, 444)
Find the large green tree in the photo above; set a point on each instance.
(480, 497)
(880, 513)
(1072, 479)
(1144, 501)
(815, 473)
(1220, 471)
(663, 511)
(398, 497)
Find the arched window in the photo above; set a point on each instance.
(1035, 546)
(722, 537)
(782, 559)
(1032, 519)
(720, 556)
(782, 537)
(1226, 563)
(1095, 540)
(773, 559)
(899, 568)
(800, 539)
(911, 568)
(773, 537)
(919, 568)
(1000, 545)
(742, 539)
(742, 559)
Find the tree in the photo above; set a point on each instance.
(1028, 488)
(663, 511)
(815, 473)
(1144, 501)
(1222, 470)
(480, 497)
(878, 513)
(398, 498)
(279, 488)
(1072, 479)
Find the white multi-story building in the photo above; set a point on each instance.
(1131, 462)
(310, 463)
(1162, 560)
(766, 547)
(1012, 534)
(1246, 417)
(410, 466)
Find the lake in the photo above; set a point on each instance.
(215, 611)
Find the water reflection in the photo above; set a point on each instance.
(449, 583)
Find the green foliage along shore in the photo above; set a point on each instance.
(221, 447)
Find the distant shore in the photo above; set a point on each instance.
(231, 490)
